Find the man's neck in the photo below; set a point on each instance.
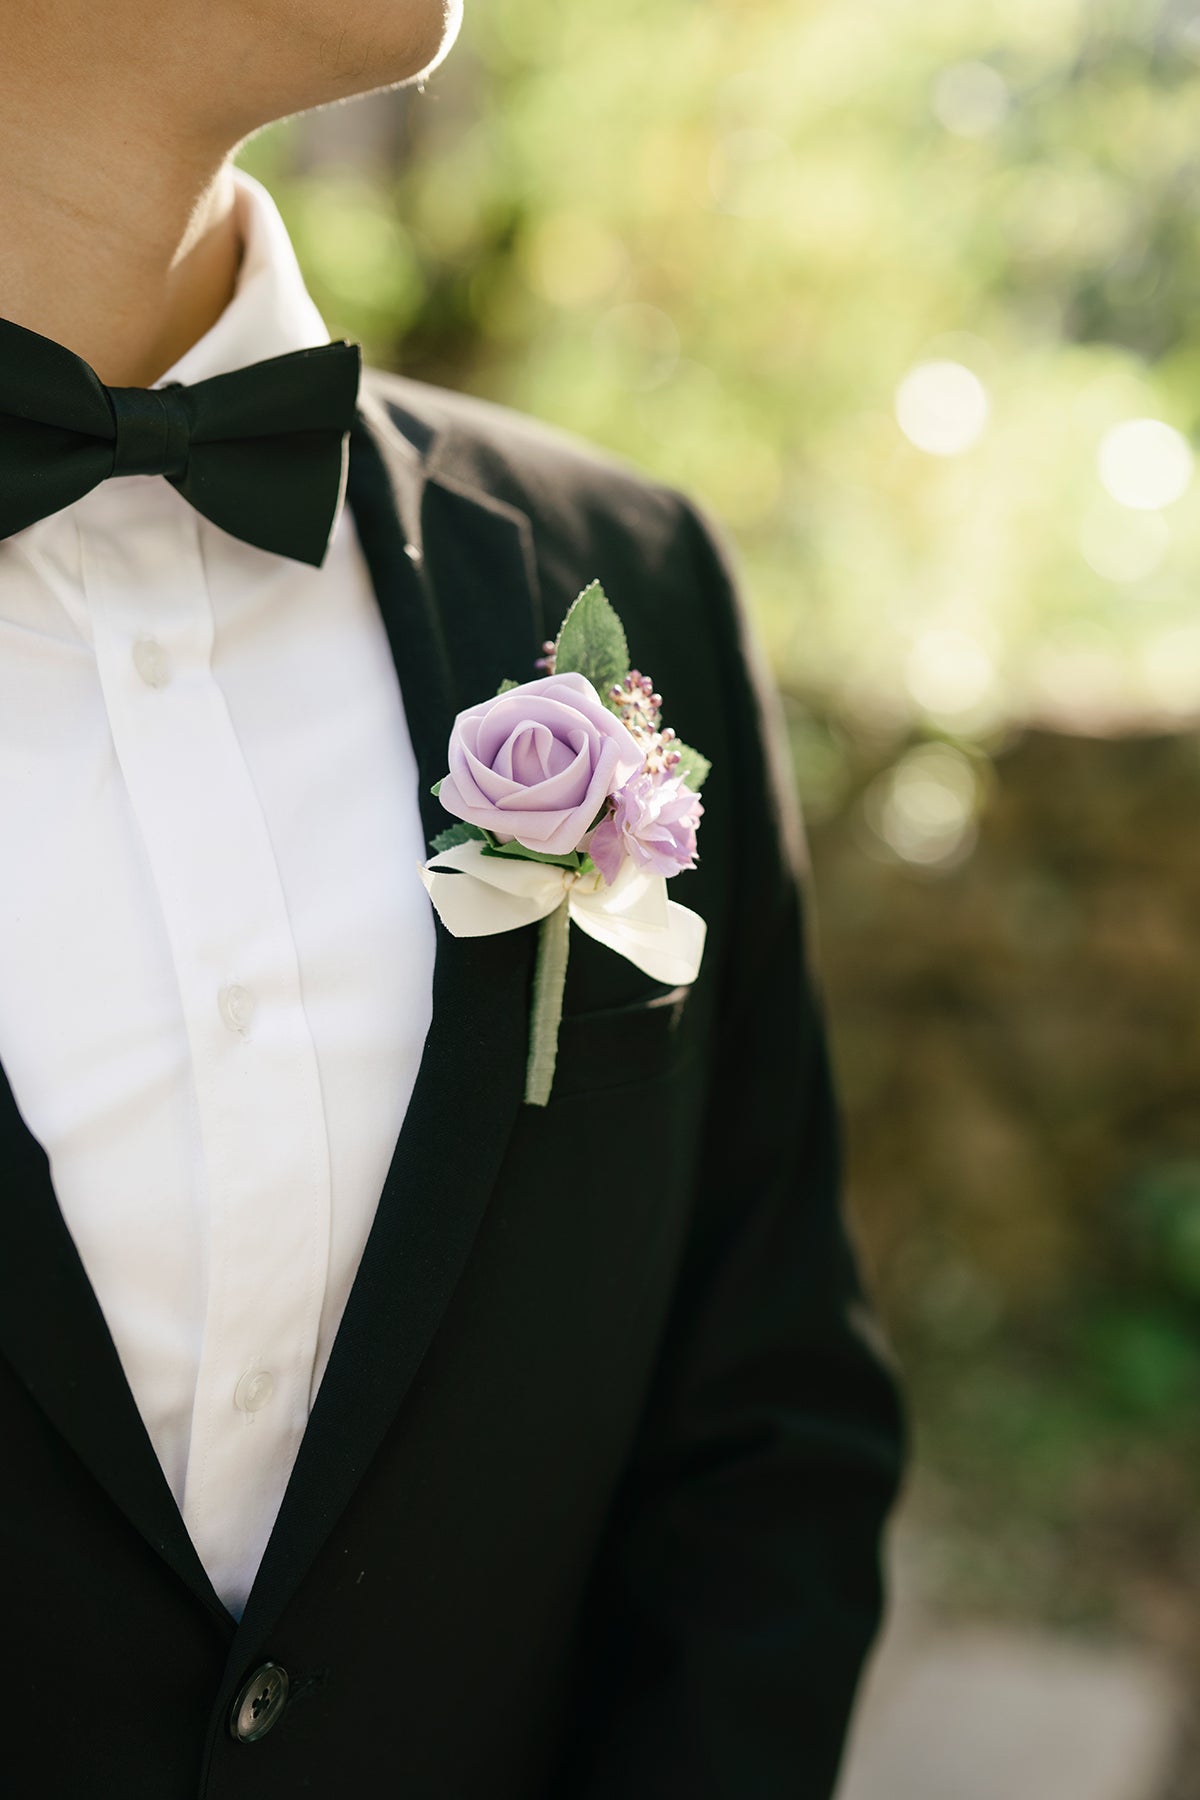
(124, 250)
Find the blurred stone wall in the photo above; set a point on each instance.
(1018, 1040)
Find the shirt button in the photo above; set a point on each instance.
(236, 1006)
(254, 1390)
(150, 661)
(259, 1703)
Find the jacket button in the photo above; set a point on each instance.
(260, 1701)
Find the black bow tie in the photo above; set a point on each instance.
(260, 451)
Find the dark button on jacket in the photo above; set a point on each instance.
(259, 1704)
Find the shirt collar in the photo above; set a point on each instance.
(270, 312)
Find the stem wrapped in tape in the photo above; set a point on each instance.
(549, 980)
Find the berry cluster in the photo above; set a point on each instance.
(640, 709)
(638, 704)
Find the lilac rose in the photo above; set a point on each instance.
(537, 763)
(653, 821)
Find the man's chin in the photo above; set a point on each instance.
(376, 44)
(452, 18)
(424, 54)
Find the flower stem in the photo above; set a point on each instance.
(549, 978)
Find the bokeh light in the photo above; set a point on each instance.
(1145, 464)
(924, 808)
(941, 407)
(952, 677)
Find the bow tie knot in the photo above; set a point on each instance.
(153, 430)
(262, 451)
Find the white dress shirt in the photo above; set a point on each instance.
(216, 955)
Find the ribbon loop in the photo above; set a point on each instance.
(477, 895)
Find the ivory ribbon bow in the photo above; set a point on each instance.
(493, 893)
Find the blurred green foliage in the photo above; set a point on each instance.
(716, 238)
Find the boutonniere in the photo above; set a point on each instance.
(577, 804)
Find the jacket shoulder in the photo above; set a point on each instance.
(576, 493)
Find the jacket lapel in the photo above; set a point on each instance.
(459, 620)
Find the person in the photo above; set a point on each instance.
(367, 1430)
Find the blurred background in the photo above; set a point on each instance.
(906, 295)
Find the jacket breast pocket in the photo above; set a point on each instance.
(622, 1044)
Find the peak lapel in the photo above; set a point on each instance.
(459, 619)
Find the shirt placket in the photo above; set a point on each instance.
(262, 1169)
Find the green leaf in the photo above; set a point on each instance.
(692, 767)
(455, 835)
(592, 642)
(507, 683)
(569, 861)
(436, 789)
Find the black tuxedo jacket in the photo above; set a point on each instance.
(589, 1503)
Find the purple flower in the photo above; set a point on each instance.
(537, 762)
(653, 821)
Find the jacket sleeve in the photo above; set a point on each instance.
(739, 1588)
